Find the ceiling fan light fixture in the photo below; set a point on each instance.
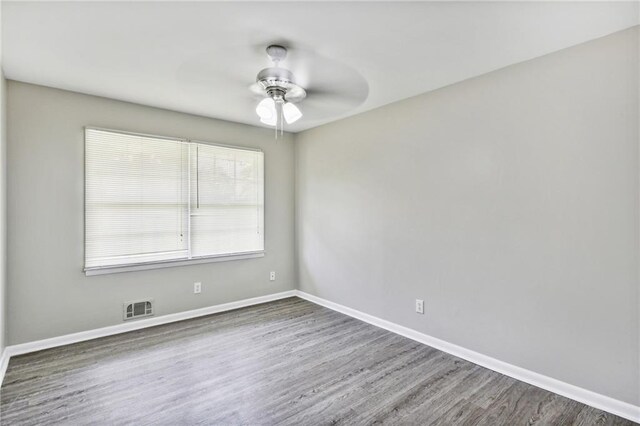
(266, 110)
(291, 113)
(269, 121)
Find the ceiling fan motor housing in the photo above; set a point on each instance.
(275, 77)
(278, 83)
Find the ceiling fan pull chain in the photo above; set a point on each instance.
(277, 119)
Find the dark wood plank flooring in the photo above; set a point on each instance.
(287, 362)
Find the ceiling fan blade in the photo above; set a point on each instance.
(256, 90)
(335, 99)
(333, 87)
(321, 104)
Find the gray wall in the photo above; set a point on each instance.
(508, 202)
(3, 200)
(48, 294)
(3, 211)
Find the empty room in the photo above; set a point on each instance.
(320, 212)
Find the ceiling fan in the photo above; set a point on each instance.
(281, 93)
(320, 87)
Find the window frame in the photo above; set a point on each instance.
(141, 266)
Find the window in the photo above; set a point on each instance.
(151, 200)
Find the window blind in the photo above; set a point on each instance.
(152, 199)
(226, 200)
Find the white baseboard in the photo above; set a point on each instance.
(82, 336)
(601, 402)
(4, 363)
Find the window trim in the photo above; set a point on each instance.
(142, 266)
(172, 138)
(102, 270)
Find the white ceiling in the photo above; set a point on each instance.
(201, 57)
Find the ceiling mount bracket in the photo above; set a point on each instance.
(277, 53)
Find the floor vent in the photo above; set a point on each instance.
(138, 309)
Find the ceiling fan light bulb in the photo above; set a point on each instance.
(266, 110)
(291, 113)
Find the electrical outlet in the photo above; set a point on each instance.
(420, 306)
(197, 288)
(272, 276)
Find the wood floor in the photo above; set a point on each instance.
(285, 362)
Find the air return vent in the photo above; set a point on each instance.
(138, 309)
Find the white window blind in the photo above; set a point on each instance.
(152, 199)
(226, 200)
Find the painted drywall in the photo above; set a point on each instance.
(508, 202)
(3, 199)
(48, 294)
(3, 212)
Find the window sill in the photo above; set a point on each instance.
(170, 263)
